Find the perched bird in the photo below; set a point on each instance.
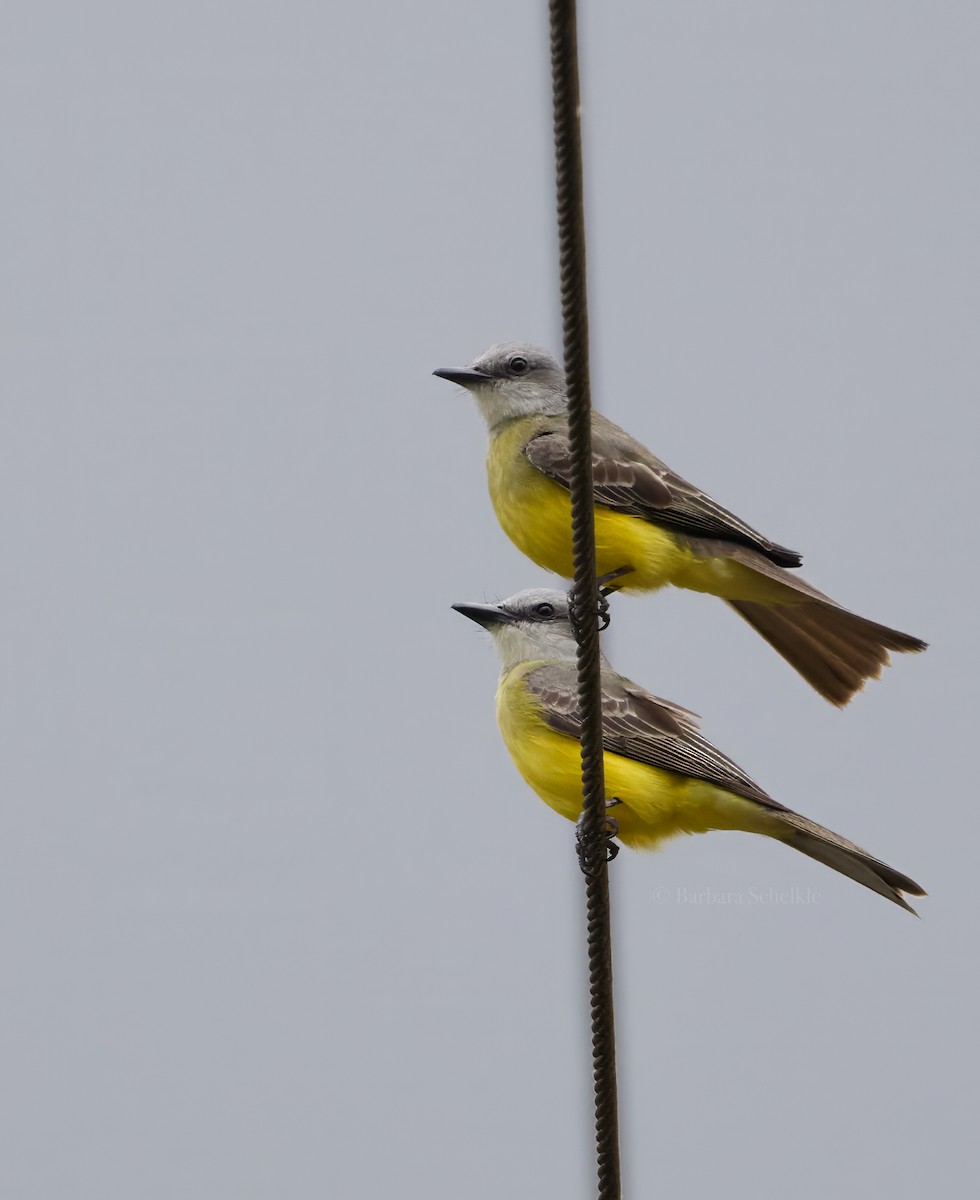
(655, 523)
(661, 775)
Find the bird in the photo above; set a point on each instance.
(662, 776)
(652, 527)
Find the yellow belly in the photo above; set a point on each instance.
(655, 804)
(536, 514)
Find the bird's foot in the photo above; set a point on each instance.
(610, 830)
(606, 587)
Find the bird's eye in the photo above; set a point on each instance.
(544, 610)
(518, 365)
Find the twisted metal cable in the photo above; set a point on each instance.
(585, 594)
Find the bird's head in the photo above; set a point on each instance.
(533, 624)
(512, 379)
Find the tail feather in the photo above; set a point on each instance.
(841, 855)
(834, 650)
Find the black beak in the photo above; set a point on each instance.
(485, 614)
(463, 375)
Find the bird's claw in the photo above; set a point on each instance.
(610, 828)
(606, 587)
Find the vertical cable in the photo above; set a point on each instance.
(585, 596)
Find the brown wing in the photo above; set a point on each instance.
(643, 727)
(629, 478)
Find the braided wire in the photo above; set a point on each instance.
(585, 593)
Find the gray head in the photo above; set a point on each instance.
(533, 624)
(513, 379)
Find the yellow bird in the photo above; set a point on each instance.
(662, 777)
(651, 521)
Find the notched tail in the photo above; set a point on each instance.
(834, 650)
(841, 855)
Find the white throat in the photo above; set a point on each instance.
(521, 642)
(503, 401)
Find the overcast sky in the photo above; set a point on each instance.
(278, 918)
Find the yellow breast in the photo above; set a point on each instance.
(655, 804)
(535, 513)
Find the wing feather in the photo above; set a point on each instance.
(642, 727)
(627, 477)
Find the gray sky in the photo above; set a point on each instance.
(279, 919)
